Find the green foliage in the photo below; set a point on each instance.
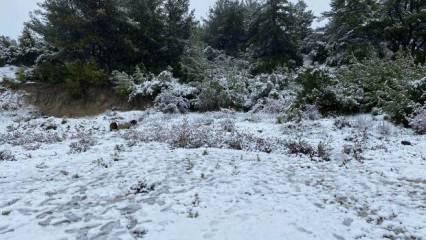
(8, 51)
(392, 85)
(50, 72)
(76, 75)
(84, 73)
(362, 28)
(213, 97)
(349, 33)
(102, 36)
(20, 75)
(319, 88)
(405, 29)
(396, 87)
(30, 48)
(225, 27)
(193, 63)
(277, 32)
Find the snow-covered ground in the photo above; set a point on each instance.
(74, 179)
(7, 72)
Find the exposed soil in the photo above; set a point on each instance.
(53, 100)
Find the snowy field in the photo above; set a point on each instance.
(216, 176)
(7, 72)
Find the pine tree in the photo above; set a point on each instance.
(405, 22)
(109, 35)
(226, 26)
(275, 35)
(30, 47)
(146, 32)
(8, 51)
(353, 30)
(84, 30)
(179, 22)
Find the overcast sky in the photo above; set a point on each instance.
(13, 13)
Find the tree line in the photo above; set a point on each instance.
(80, 42)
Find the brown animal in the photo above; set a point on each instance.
(114, 126)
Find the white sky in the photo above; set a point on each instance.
(13, 13)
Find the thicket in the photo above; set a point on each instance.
(396, 87)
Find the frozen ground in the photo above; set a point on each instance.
(7, 72)
(74, 179)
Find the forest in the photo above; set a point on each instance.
(363, 60)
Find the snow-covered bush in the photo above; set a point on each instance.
(8, 51)
(300, 147)
(320, 88)
(395, 86)
(417, 120)
(197, 134)
(24, 52)
(123, 83)
(10, 101)
(168, 102)
(83, 145)
(270, 106)
(168, 94)
(6, 155)
(30, 136)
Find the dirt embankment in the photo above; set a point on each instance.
(56, 101)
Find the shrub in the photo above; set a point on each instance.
(76, 75)
(30, 136)
(168, 94)
(189, 134)
(6, 156)
(83, 145)
(301, 147)
(142, 187)
(122, 82)
(417, 120)
(212, 97)
(167, 102)
(320, 88)
(395, 86)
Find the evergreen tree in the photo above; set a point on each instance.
(302, 19)
(8, 51)
(226, 26)
(179, 23)
(146, 32)
(85, 30)
(30, 47)
(405, 22)
(275, 35)
(353, 30)
(109, 35)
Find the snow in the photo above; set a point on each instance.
(7, 72)
(51, 192)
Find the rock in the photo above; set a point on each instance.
(406, 143)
